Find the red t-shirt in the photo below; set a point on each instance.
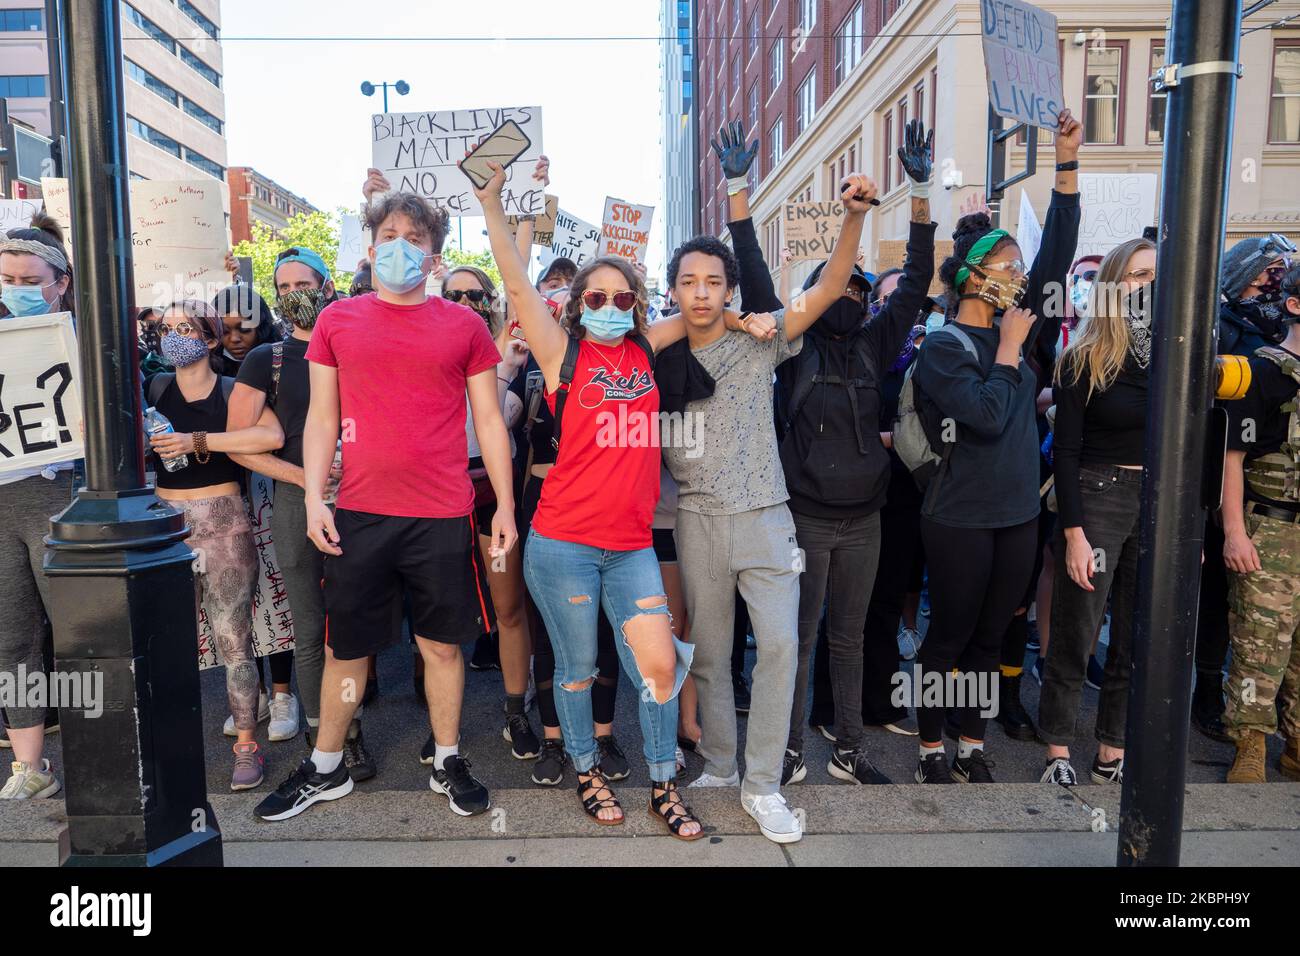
(402, 372)
(604, 486)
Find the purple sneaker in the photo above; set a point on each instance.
(248, 767)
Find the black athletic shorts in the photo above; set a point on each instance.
(436, 561)
(665, 545)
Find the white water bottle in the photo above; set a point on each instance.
(156, 423)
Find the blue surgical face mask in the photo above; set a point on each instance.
(1079, 296)
(607, 322)
(181, 351)
(399, 265)
(933, 322)
(23, 300)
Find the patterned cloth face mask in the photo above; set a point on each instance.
(302, 306)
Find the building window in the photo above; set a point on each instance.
(887, 9)
(775, 144)
(206, 25)
(157, 86)
(775, 65)
(807, 15)
(735, 75)
(752, 125)
(807, 102)
(918, 101)
(753, 36)
(735, 15)
(848, 44)
(203, 116)
(152, 136)
(22, 86)
(201, 68)
(149, 27)
(1284, 101)
(14, 21)
(1103, 91)
(1157, 102)
(934, 94)
(902, 134)
(202, 162)
(887, 160)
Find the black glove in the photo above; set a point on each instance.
(916, 152)
(736, 160)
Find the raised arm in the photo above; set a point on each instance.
(756, 290)
(856, 192)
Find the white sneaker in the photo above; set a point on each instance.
(773, 816)
(284, 717)
(909, 642)
(709, 780)
(30, 783)
(263, 715)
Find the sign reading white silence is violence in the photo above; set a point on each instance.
(418, 153)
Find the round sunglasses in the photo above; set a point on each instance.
(595, 299)
(455, 295)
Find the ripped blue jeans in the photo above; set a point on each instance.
(565, 579)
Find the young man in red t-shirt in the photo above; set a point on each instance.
(389, 373)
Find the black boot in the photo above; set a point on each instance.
(1207, 706)
(1011, 715)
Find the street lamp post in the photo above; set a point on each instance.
(401, 86)
(121, 582)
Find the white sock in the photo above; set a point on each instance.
(326, 763)
(928, 751)
(965, 748)
(441, 753)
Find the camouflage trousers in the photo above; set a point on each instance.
(1263, 619)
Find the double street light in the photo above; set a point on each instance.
(401, 86)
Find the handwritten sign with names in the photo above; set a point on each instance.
(418, 153)
(625, 230)
(1022, 62)
(178, 240)
(812, 228)
(17, 213)
(58, 203)
(40, 392)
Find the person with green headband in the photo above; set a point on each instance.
(977, 379)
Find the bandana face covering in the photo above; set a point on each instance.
(1137, 314)
(1002, 294)
(302, 306)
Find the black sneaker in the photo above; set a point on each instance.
(1033, 642)
(741, 687)
(612, 762)
(523, 742)
(792, 768)
(372, 691)
(548, 771)
(1112, 772)
(1059, 771)
(465, 795)
(355, 756)
(853, 766)
(485, 657)
(303, 788)
(427, 752)
(1015, 720)
(933, 769)
(1207, 707)
(973, 769)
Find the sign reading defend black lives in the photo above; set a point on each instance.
(1022, 62)
(40, 393)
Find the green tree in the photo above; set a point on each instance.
(318, 231)
(454, 256)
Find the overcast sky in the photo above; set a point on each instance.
(296, 114)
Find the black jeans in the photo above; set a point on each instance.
(840, 556)
(896, 576)
(977, 580)
(1112, 498)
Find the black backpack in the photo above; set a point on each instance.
(570, 366)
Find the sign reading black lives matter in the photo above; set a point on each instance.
(1022, 62)
(418, 153)
(40, 392)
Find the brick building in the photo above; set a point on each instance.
(256, 198)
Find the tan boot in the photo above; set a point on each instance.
(1290, 762)
(1249, 765)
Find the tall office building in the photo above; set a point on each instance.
(678, 42)
(174, 101)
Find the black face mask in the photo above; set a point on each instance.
(842, 317)
(1265, 313)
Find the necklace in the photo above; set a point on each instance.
(621, 356)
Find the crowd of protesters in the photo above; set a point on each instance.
(498, 476)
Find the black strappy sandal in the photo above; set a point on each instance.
(678, 813)
(596, 785)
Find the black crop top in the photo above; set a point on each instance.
(206, 415)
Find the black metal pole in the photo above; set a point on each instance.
(1193, 209)
(54, 55)
(121, 583)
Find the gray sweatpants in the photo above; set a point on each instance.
(303, 567)
(25, 510)
(757, 552)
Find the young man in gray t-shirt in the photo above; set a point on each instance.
(733, 527)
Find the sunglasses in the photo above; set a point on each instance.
(180, 328)
(455, 295)
(1141, 275)
(1088, 275)
(595, 299)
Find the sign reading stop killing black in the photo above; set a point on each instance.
(1022, 62)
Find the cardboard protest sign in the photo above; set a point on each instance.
(40, 392)
(543, 226)
(1029, 234)
(17, 213)
(625, 230)
(418, 153)
(58, 203)
(272, 619)
(178, 240)
(352, 245)
(891, 253)
(812, 228)
(574, 238)
(1022, 62)
(1115, 207)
